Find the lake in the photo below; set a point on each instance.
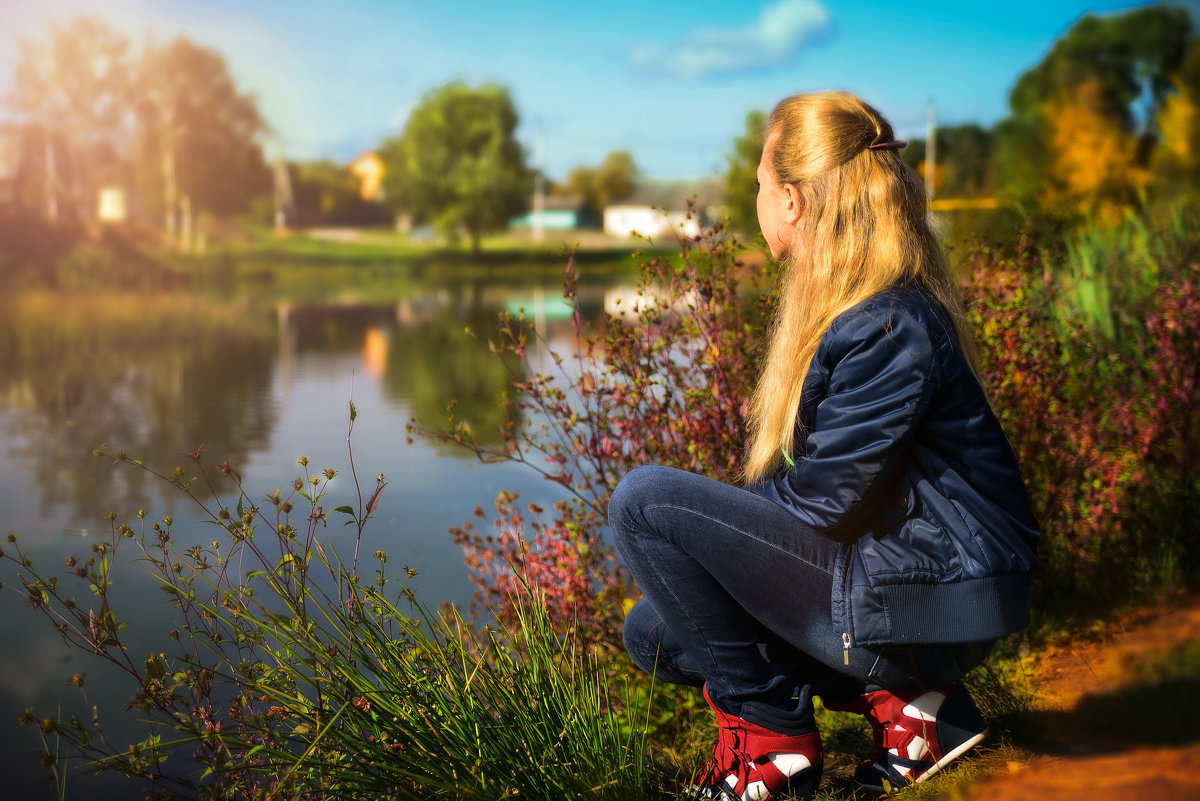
(260, 371)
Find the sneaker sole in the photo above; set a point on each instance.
(957, 752)
(962, 748)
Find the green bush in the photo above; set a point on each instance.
(1092, 365)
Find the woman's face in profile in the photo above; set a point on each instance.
(778, 205)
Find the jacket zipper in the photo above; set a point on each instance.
(845, 648)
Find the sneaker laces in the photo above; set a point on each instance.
(729, 758)
(734, 756)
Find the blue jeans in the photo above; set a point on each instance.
(737, 596)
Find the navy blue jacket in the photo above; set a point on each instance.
(900, 459)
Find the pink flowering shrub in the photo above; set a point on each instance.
(1105, 429)
(545, 555)
(662, 381)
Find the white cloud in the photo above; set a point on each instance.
(781, 31)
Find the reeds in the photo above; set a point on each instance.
(290, 674)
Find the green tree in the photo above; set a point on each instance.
(324, 186)
(457, 163)
(966, 158)
(72, 90)
(169, 118)
(581, 183)
(1130, 56)
(1124, 64)
(963, 167)
(741, 188)
(199, 134)
(1177, 159)
(331, 194)
(600, 187)
(616, 177)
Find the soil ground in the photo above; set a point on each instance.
(1113, 718)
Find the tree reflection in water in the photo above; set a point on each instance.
(257, 376)
(154, 375)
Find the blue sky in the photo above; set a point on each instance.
(669, 82)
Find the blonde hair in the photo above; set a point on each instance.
(864, 227)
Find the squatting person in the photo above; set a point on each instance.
(882, 540)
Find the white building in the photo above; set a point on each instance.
(655, 223)
(660, 209)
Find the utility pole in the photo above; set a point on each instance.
(284, 201)
(283, 194)
(51, 180)
(539, 184)
(930, 148)
(170, 187)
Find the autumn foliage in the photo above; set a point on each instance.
(1104, 426)
(1094, 163)
(663, 380)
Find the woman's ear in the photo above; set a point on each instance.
(795, 204)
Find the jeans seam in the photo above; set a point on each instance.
(740, 531)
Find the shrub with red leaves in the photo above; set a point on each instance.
(1106, 431)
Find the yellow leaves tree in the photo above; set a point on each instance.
(1177, 157)
(1094, 166)
(1082, 130)
(1177, 123)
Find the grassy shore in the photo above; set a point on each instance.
(34, 252)
(386, 247)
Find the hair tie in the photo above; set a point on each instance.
(895, 144)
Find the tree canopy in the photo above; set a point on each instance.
(193, 115)
(964, 160)
(1085, 120)
(1176, 161)
(330, 194)
(457, 164)
(1108, 116)
(73, 89)
(1130, 58)
(601, 186)
(168, 120)
(741, 188)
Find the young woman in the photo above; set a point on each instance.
(883, 540)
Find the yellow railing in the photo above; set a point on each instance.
(966, 203)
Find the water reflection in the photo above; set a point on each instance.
(258, 378)
(417, 349)
(443, 363)
(154, 375)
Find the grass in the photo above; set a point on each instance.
(1000, 687)
(382, 247)
(290, 674)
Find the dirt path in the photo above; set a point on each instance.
(1115, 719)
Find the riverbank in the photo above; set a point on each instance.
(1096, 710)
(37, 254)
(1111, 715)
(376, 245)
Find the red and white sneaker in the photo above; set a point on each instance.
(916, 734)
(751, 763)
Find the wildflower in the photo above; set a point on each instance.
(374, 500)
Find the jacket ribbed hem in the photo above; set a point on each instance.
(961, 611)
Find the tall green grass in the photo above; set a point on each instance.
(1106, 273)
(293, 672)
